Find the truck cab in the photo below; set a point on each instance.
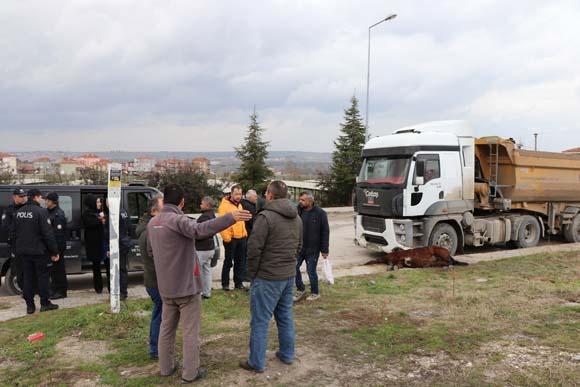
(413, 180)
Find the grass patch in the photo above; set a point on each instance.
(379, 320)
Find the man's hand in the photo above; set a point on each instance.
(242, 215)
(55, 258)
(324, 255)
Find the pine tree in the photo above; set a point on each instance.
(253, 172)
(346, 159)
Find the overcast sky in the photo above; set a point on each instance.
(184, 75)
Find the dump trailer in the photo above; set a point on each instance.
(435, 184)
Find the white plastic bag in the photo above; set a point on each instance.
(327, 271)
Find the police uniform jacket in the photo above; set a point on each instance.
(7, 219)
(58, 220)
(32, 231)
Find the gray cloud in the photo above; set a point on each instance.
(185, 75)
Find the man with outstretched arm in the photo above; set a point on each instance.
(171, 238)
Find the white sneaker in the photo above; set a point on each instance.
(313, 297)
(299, 296)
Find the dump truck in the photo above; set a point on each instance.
(435, 184)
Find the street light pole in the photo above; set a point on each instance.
(390, 17)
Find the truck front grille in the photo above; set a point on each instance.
(373, 224)
(375, 239)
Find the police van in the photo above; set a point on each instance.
(134, 198)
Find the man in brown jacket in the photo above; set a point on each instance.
(171, 239)
(275, 241)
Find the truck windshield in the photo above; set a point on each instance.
(384, 170)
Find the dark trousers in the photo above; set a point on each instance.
(58, 279)
(311, 263)
(36, 277)
(17, 268)
(97, 275)
(155, 325)
(235, 255)
(124, 273)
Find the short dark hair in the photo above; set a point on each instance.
(173, 194)
(278, 189)
(236, 186)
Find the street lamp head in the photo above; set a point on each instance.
(390, 17)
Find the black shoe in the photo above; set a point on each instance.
(58, 296)
(99, 291)
(205, 297)
(245, 365)
(241, 287)
(226, 288)
(152, 356)
(201, 373)
(123, 297)
(30, 309)
(279, 356)
(47, 307)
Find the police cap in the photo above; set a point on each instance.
(34, 192)
(19, 192)
(52, 196)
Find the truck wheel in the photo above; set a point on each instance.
(444, 235)
(11, 283)
(529, 232)
(572, 230)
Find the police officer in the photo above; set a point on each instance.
(34, 241)
(18, 199)
(59, 283)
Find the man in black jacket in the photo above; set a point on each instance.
(249, 204)
(316, 240)
(33, 242)
(58, 220)
(19, 198)
(206, 247)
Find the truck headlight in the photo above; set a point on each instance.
(402, 227)
(403, 238)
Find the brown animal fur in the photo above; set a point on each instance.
(432, 256)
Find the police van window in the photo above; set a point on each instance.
(432, 170)
(137, 202)
(66, 204)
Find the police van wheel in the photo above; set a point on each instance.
(11, 284)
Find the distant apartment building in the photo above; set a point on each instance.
(142, 165)
(172, 165)
(8, 163)
(201, 164)
(43, 165)
(70, 166)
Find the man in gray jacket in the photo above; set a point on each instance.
(272, 248)
(171, 239)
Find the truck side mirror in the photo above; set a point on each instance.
(419, 172)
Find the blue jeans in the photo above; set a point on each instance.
(311, 263)
(267, 298)
(155, 320)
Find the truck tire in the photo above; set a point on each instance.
(11, 284)
(444, 235)
(528, 232)
(572, 230)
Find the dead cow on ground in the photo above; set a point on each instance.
(432, 256)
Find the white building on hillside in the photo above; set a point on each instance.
(8, 163)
